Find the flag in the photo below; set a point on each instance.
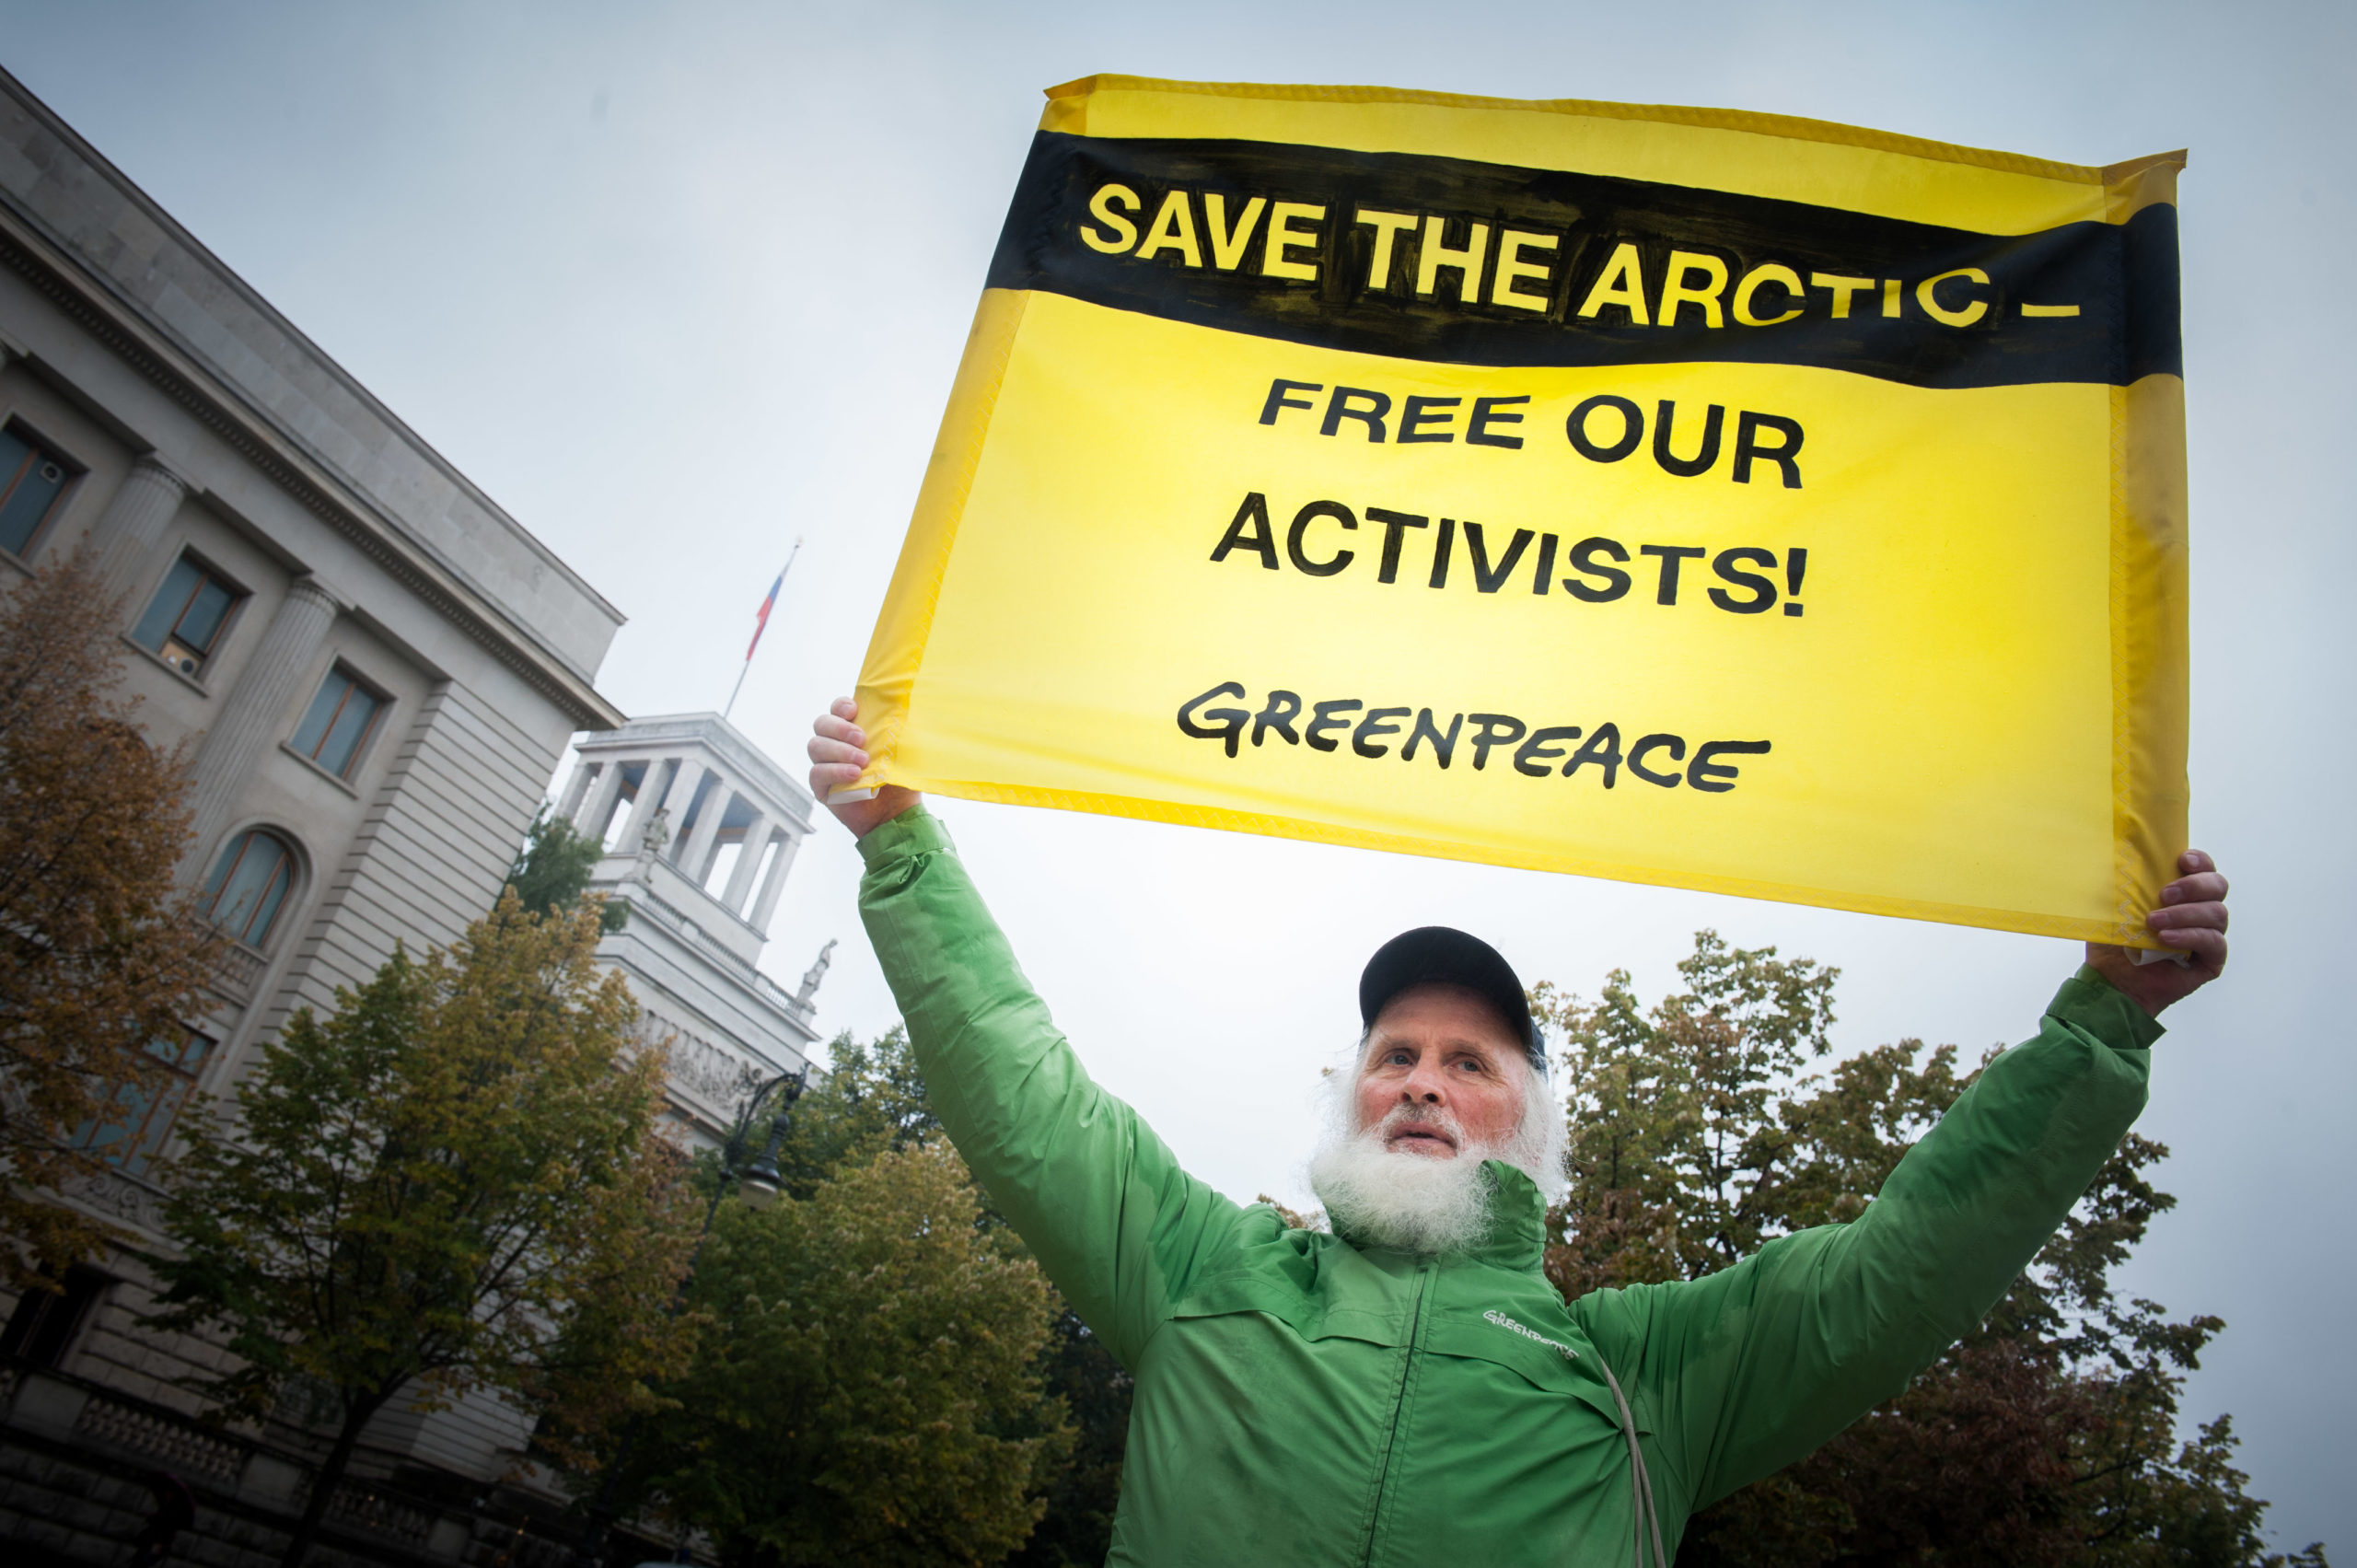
(1692, 497)
(761, 617)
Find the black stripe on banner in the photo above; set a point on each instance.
(1586, 250)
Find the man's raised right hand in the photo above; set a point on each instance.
(838, 756)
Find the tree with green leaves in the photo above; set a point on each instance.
(102, 962)
(876, 1366)
(1699, 1129)
(867, 1390)
(551, 871)
(457, 1180)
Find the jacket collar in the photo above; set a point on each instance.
(1516, 1236)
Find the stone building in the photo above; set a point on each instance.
(378, 670)
(701, 828)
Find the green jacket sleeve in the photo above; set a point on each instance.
(1101, 1201)
(1745, 1371)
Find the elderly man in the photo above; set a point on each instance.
(1409, 1390)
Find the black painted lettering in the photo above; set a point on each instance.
(1673, 744)
(1376, 721)
(1707, 773)
(1395, 528)
(1583, 561)
(1671, 554)
(1301, 521)
(1727, 565)
(1279, 397)
(1340, 407)
(1497, 729)
(1443, 746)
(1785, 455)
(1328, 715)
(1420, 411)
(1283, 709)
(1545, 577)
(1259, 538)
(1713, 418)
(1603, 748)
(1633, 429)
(1485, 415)
(1486, 578)
(1229, 721)
(1537, 756)
(1440, 543)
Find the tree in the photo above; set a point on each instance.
(869, 1393)
(100, 960)
(457, 1180)
(551, 871)
(2046, 1437)
(884, 1323)
(874, 1098)
(1075, 1527)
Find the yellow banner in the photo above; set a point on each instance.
(1680, 496)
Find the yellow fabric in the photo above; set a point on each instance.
(1978, 716)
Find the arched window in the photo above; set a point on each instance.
(248, 885)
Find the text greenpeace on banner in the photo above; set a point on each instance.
(1697, 498)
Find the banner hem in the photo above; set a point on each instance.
(1787, 126)
(1137, 808)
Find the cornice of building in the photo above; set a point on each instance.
(751, 767)
(81, 286)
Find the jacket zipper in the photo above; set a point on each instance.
(1398, 1410)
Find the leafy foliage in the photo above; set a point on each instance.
(428, 1189)
(1698, 1132)
(869, 1392)
(1076, 1529)
(885, 1376)
(551, 871)
(871, 1100)
(100, 957)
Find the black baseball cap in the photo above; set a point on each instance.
(1441, 955)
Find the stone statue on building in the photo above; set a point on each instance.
(812, 976)
(650, 845)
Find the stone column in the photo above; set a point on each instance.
(695, 855)
(576, 788)
(594, 815)
(256, 708)
(774, 883)
(126, 534)
(748, 861)
(685, 782)
(650, 796)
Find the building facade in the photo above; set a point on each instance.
(701, 828)
(376, 671)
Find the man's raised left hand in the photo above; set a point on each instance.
(2191, 919)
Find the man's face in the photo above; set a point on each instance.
(1445, 1069)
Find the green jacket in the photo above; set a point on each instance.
(1302, 1400)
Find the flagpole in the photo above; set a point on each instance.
(748, 665)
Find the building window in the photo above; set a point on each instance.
(42, 1328)
(133, 1131)
(248, 885)
(31, 478)
(339, 722)
(183, 623)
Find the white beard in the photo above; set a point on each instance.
(1427, 1204)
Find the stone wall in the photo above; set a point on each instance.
(78, 1460)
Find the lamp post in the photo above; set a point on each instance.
(761, 1186)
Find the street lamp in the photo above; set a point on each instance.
(760, 1187)
(760, 1183)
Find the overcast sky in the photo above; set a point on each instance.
(676, 284)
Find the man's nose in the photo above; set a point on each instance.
(1425, 1086)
